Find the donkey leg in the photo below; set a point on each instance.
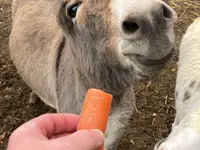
(115, 129)
(118, 120)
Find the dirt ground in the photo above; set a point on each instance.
(155, 99)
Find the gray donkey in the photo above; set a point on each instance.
(61, 48)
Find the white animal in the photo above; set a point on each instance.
(61, 48)
(185, 134)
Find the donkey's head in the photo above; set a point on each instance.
(117, 41)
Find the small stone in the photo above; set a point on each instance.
(173, 69)
(154, 114)
(2, 138)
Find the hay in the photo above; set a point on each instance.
(187, 10)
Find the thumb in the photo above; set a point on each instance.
(83, 140)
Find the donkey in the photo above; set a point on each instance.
(61, 48)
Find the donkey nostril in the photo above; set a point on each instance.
(130, 27)
(167, 12)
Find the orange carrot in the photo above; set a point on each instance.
(95, 111)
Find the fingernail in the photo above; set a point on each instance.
(99, 133)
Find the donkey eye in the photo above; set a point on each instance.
(72, 10)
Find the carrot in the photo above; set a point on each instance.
(95, 111)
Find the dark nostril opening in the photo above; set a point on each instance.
(167, 12)
(130, 27)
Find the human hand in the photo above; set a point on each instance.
(54, 132)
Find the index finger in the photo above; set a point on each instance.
(52, 124)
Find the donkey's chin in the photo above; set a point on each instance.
(153, 62)
(149, 68)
